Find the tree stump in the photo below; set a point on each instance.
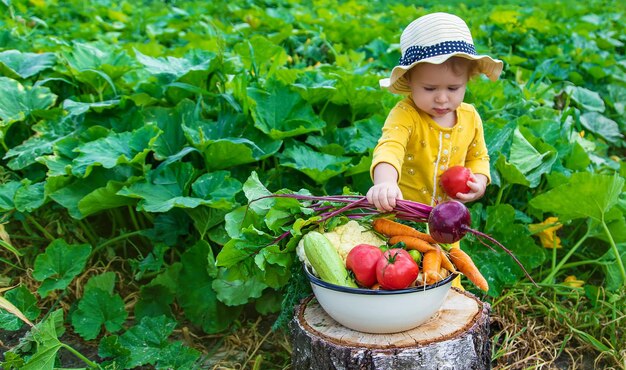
(456, 337)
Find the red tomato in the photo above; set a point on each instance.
(396, 269)
(454, 180)
(361, 260)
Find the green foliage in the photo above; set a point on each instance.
(24, 301)
(134, 137)
(98, 307)
(147, 344)
(59, 265)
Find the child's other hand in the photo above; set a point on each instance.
(384, 195)
(477, 184)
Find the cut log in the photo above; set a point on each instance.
(456, 337)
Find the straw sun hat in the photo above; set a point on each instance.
(434, 38)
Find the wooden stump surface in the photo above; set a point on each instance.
(456, 337)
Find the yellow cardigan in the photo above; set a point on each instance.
(421, 150)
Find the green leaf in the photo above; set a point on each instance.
(29, 197)
(12, 361)
(205, 219)
(360, 138)
(96, 61)
(171, 123)
(198, 299)
(281, 113)
(153, 262)
(157, 296)
(47, 134)
(7, 194)
(229, 152)
(110, 347)
(510, 173)
(613, 274)
(115, 149)
(261, 55)
(165, 188)
(254, 189)
(75, 108)
(25, 302)
(218, 188)
(240, 218)
(103, 198)
(358, 92)
(602, 126)
(46, 334)
(155, 300)
(59, 265)
(96, 308)
(18, 102)
(578, 158)
(178, 356)
(496, 265)
(528, 160)
(315, 87)
(148, 342)
(235, 251)
(104, 282)
(585, 195)
(90, 194)
(587, 99)
(16, 64)
(239, 291)
(318, 166)
(177, 67)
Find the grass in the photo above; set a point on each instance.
(558, 327)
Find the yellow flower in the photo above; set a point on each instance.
(546, 231)
(573, 282)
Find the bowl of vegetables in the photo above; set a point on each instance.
(380, 311)
(367, 285)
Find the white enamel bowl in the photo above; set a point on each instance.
(380, 311)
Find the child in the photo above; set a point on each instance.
(432, 129)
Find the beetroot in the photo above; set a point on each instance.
(449, 221)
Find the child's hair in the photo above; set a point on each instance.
(460, 65)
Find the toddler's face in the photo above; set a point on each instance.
(437, 89)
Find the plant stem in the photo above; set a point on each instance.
(86, 227)
(620, 264)
(38, 226)
(133, 217)
(554, 271)
(500, 193)
(89, 363)
(582, 263)
(115, 240)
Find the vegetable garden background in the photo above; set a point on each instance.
(133, 135)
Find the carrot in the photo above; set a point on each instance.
(412, 243)
(464, 263)
(431, 265)
(391, 228)
(445, 262)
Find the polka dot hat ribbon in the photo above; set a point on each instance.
(416, 52)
